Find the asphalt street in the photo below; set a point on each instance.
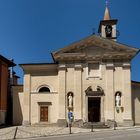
(130, 134)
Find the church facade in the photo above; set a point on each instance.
(90, 78)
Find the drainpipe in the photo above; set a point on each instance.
(30, 103)
(114, 97)
(0, 86)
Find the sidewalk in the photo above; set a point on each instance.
(42, 131)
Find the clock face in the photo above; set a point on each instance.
(108, 30)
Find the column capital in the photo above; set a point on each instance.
(78, 66)
(110, 66)
(62, 67)
(126, 65)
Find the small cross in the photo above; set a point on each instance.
(106, 2)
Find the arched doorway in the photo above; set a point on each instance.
(94, 104)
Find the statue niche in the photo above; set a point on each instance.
(70, 100)
(118, 99)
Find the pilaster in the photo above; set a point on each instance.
(102, 109)
(127, 117)
(103, 78)
(109, 93)
(27, 106)
(62, 94)
(78, 91)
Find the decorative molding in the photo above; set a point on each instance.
(89, 91)
(44, 85)
(47, 93)
(45, 103)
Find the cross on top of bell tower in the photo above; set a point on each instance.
(106, 2)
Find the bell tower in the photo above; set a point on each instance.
(107, 27)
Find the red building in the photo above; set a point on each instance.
(5, 92)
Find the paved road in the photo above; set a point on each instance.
(130, 134)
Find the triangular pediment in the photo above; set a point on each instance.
(95, 47)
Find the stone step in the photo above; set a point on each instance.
(44, 124)
(96, 125)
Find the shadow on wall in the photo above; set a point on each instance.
(136, 102)
(17, 104)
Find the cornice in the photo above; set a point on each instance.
(30, 68)
(83, 56)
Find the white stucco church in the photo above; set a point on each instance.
(91, 78)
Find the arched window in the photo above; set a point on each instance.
(44, 89)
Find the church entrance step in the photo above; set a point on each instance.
(95, 125)
(45, 124)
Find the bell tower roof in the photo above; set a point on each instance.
(107, 13)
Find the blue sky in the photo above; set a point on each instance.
(31, 29)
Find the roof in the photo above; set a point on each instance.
(100, 42)
(135, 83)
(38, 66)
(107, 14)
(7, 61)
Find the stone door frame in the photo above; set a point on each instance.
(102, 118)
(47, 119)
(94, 109)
